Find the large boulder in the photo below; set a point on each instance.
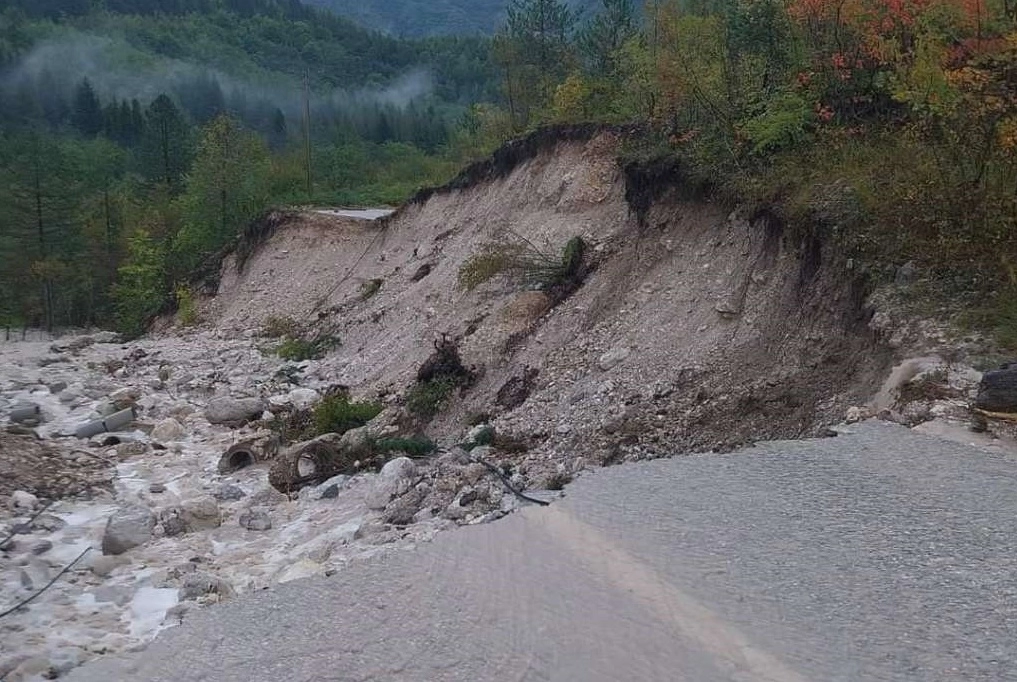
(128, 527)
(998, 390)
(229, 410)
(396, 478)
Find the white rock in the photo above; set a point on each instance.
(395, 479)
(303, 398)
(128, 527)
(613, 358)
(228, 410)
(856, 414)
(305, 568)
(168, 430)
(21, 499)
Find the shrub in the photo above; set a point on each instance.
(187, 307)
(413, 447)
(277, 327)
(338, 414)
(493, 260)
(427, 398)
(529, 265)
(299, 349)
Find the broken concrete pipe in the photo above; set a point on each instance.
(114, 422)
(248, 453)
(308, 463)
(26, 413)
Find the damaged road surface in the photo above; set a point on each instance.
(877, 555)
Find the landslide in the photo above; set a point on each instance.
(699, 326)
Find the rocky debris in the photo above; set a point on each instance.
(102, 565)
(168, 430)
(125, 398)
(73, 344)
(517, 389)
(227, 492)
(199, 584)
(403, 509)
(304, 568)
(127, 528)
(613, 358)
(255, 519)
(997, 391)
(200, 514)
(396, 478)
(47, 470)
(229, 410)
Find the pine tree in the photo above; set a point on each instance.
(605, 34)
(87, 114)
(165, 152)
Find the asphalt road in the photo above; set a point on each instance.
(876, 555)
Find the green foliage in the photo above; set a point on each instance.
(187, 306)
(426, 399)
(522, 260)
(493, 260)
(412, 447)
(338, 414)
(298, 349)
(226, 189)
(275, 327)
(783, 124)
(141, 288)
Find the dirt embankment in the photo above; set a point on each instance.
(699, 326)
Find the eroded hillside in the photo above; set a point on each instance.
(697, 326)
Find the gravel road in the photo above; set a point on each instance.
(877, 555)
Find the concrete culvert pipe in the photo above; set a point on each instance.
(306, 464)
(26, 413)
(248, 453)
(115, 422)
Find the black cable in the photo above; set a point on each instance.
(30, 522)
(496, 471)
(28, 601)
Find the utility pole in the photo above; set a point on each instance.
(307, 136)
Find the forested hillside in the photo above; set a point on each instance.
(141, 114)
(140, 136)
(432, 17)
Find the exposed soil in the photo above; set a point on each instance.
(700, 328)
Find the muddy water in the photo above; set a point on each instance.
(95, 609)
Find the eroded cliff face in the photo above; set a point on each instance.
(698, 327)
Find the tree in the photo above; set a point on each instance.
(141, 289)
(87, 115)
(603, 37)
(535, 54)
(165, 152)
(226, 189)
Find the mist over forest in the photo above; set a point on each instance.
(139, 137)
